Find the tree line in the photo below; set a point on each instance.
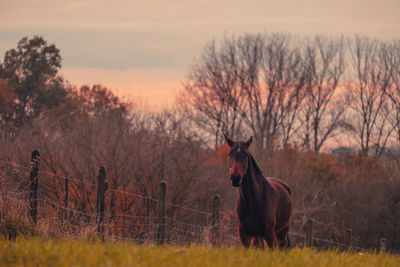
(312, 92)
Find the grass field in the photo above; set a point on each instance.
(35, 252)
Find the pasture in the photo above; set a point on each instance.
(37, 252)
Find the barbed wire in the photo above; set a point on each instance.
(126, 216)
(144, 225)
(15, 192)
(170, 233)
(67, 177)
(329, 242)
(54, 204)
(21, 199)
(14, 164)
(189, 209)
(171, 226)
(187, 224)
(72, 210)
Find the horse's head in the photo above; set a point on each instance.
(239, 159)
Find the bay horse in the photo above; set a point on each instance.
(264, 205)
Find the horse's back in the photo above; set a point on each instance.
(277, 183)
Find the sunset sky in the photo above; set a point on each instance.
(143, 49)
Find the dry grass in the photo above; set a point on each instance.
(36, 252)
(13, 214)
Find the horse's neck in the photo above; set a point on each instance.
(252, 184)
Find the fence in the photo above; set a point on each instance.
(140, 228)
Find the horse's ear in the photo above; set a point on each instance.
(248, 142)
(229, 141)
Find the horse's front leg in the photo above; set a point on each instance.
(270, 237)
(245, 238)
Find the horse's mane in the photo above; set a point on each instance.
(256, 167)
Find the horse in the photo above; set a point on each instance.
(264, 205)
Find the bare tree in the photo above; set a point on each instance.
(272, 79)
(211, 95)
(370, 105)
(393, 91)
(324, 107)
(251, 85)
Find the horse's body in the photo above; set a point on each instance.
(264, 205)
(264, 208)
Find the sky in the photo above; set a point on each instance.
(144, 49)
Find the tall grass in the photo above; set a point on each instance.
(36, 252)
(13, 213)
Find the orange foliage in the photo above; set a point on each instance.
(220, 153)
(6, 97)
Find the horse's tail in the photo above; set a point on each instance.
(287, 188)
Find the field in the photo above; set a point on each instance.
(36, 252)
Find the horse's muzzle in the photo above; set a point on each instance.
(236, 180)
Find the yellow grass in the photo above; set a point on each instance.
(35, 252)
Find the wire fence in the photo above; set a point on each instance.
(140, 225)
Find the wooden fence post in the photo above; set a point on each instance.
(309, 230)
(348, 238)
(66, 197)
(102, 187)
(161, 213)
(215, 220)
(383, 242)
(148, 217)
(33, 191)
(333, 243)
